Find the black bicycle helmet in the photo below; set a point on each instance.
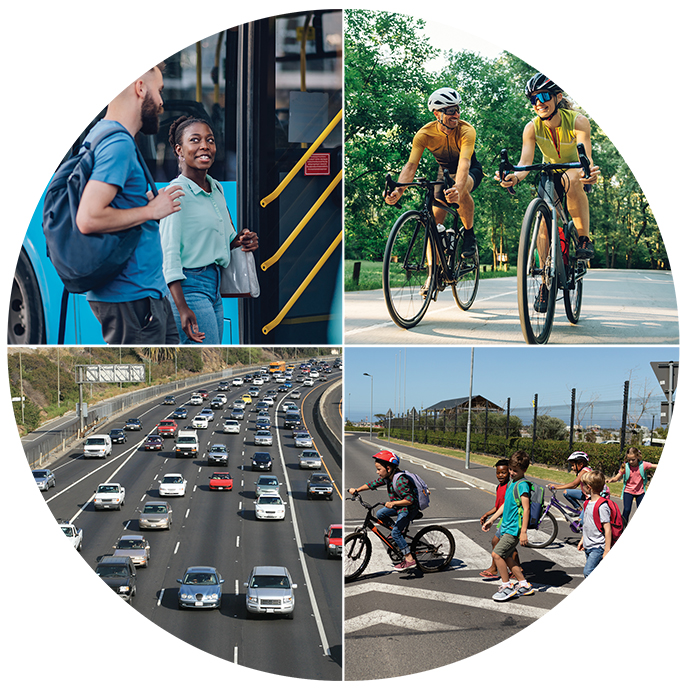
(539, 82)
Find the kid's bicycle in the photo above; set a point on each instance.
(545, 265)
(433, 547)
(419, 261)
(547, 529)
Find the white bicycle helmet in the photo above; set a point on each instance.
(579, 456)
(442, 98)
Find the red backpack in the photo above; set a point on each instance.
(616, 518)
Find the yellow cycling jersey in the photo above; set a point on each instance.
(447, 149)
(559, 145)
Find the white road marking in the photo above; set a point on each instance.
(372, 618)
(177, 546)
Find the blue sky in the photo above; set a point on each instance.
(422, 376)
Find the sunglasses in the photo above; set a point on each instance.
(450, 110)
(543, 97)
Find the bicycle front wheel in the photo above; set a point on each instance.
(572, 293)
(466, 277)
(433, 548)
(544, 534)
(357, 553)
(536, 289)
(409, 270)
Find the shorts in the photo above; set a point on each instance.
(476, 172)
(506, 545)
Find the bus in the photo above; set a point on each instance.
(276, 368)
(272, 91)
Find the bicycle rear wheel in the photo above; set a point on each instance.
(544, 534)
(466, 276)
(433, 548)
(357, 553)
(409, 270)
(572, 293)
(534, 274)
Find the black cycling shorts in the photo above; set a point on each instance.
(476, 172)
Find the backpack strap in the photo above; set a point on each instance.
(63, 316)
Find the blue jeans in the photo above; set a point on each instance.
(202, 293)
(574, 496)
(594, 555)
(401, 522)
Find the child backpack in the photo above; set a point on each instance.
(536, 503)
(423, 493)
(643, 474)
(616, 518)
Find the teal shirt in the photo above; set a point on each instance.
(512, 521)
(200, 233)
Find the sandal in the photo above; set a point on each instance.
(487, 574)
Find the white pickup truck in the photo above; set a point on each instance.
(109, 497)
(74, 534)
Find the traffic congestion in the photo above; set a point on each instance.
(184, 503)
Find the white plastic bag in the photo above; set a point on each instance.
(239, 278)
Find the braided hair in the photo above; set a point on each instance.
(178, 127)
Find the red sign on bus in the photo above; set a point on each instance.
(318, 164)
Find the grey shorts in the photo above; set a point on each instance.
(145, 321)
(506, 545)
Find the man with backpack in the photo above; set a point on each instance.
(405, 493)
(133, 308)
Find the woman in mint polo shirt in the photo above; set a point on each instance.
(197, 240)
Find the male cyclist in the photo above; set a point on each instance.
(402, 505)
(557, 129)
(451, 141)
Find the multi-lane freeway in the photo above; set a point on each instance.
(219, 529)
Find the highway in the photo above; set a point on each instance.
(219, 529)
(618, 308)
(399, 623)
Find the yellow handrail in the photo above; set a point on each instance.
(298, 166)
(300, 226)
(305, 283)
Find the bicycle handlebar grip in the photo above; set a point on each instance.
(390, 187)
(584, 161)
(449, 183)
(504, 167)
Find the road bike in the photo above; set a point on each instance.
(547, 529)
(420, 260)
(433, 547)
(544, 263)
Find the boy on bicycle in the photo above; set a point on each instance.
(557, 129)
(451, 141)
(403, 504)
(513, 530)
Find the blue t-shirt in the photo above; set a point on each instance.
(116, 163)
(512, 522)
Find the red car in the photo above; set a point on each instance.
(167, 427)
(153, 442)
(333, 541)
(203, 393)
(220, 481)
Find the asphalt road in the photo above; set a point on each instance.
(219, 529)
(399, 623)
(619, 307)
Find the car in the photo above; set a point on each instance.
(136, 547)
(223, 385)
(303, 440)
(208, 413)
(154, 442)
(289, 406)
(270, 590)
(167, 427)
(173, 484)
(118, 436)
(310, 460)
(268, 400)
(333, 541)
(248, 377)
(179, 413)
(254, 392)
(120, 574)
(237, 413)
(196, 400)
(314, 374)
(258, 381)
(73, 533)
(308, 383)
(269, 506)
(263, 423)
(263, 438)
(155, 515)
(132, 424)
(109, 496)
(247, 399)
(295, 395)
(282, 389)
(279, 379)
(266, 482)
(222, 397)
(237, 382)
(203, 393)
(319, 485)
(44, 479)
(293, 420)
(217, 455)
(169, 400)
(239, 403)
(231, 426)
(200, 422)
(217, 404)
(220, 481)
(200, 588)
(261, 460)
(262, 406)
(299, 429)
(98, 446)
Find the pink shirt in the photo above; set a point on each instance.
(635, 485)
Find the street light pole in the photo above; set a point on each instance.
(371, 407)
